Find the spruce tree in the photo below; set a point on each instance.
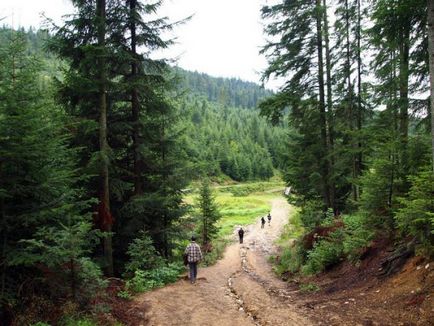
(298, 56)
(208, 214)
(43, 225)
(431, 71)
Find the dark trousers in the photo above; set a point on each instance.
(193, 271)
(241, 239)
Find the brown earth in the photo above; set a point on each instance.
(241, 289)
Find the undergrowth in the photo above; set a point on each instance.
(332, 241)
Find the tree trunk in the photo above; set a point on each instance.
(4, 240)
(350, 101)
(359, 95)
(431, 69)
(321, 106)
(135, 107)
(104, 173)
(330, 120)
(404, 55)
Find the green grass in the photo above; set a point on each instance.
(241, 210)
(239, 204)
(245, 209)
(293, 230)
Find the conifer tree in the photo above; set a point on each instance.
(298, 56)
(86, 95)
(208, 214)
(42, 222)
(431, 71)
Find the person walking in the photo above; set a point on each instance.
(241, 234)
(269, 218)
(194, 256)
(262, 222)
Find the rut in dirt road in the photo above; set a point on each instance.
(240, 289)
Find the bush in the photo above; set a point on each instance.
(91, 280)
(326, 253)
(312, 213)
(357, 236)
(309, 287)
(143, 255)
(416, 217)
(291, 259)
(377, 199)
(245, 190)
(147, 280)
(218, 248)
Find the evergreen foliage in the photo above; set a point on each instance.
(208, 214)
(416, 217)
(43, 226)
(226, 92)
(358, 121)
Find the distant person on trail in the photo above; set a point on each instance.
(241, 234)
(194, 255)
(262, 222)
(269, 218)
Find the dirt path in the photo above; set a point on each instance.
(239, 290)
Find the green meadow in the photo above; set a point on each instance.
(242, 204)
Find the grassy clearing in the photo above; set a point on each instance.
(239, 204)
(243, 203)
(241, 210)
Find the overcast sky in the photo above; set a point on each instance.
(222, 39)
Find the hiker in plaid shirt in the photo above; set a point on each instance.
(194, 255)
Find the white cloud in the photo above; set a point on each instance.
(222, 39)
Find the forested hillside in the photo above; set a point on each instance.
(234, 141)
(229, 92)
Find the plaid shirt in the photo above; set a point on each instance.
(194, 253)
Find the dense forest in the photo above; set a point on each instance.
(99, 143)
(360, 125)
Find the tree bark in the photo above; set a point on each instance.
(404, 55)
(4, 240)
(431, 69)
(135, 106)
(330, 120)
(352, 115)
(321, 106)
(359, 93)
(104, 173)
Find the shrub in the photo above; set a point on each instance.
(309, 287)
(218, 248)
(326, 253)
(312, 213)
(157, 277)
(91, 280)
(377, 199)
(357, 236)
(143, 255)
(291, 259)
(416, 217)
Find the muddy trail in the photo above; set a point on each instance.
(240, 289)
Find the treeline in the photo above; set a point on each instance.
(359, 143)
(231, 92)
